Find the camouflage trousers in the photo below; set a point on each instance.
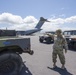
(60, 53)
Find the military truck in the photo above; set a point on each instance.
(70, 36)
(7, 32)
(47, 38)
(10, 49)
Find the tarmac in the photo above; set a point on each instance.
(40, 63)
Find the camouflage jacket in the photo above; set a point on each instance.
(60, 43)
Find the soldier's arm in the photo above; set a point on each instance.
(65, 45)
(50, 35)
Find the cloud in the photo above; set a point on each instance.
(59, 23)
(10, 19)
(17, 22)
(71, 19)
(30, 19)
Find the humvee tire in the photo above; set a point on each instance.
(10, 64)
(41, 40)
(49, 40)
(31, 52)
(74, 46)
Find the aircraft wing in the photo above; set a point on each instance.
(36, 29)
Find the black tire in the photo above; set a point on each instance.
(41, 40)
(74, 46)
(48, 40)
(10, 64)
(31, 52)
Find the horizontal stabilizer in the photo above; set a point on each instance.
(42, 19)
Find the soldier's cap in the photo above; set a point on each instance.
(59, 31)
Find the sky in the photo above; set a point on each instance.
(25, 14)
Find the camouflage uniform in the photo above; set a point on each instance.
(59, 44)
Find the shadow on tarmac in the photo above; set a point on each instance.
(25, 71)
(60, 71)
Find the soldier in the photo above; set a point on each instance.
(59, 44)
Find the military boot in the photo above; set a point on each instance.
(62, 67)
(54, 65)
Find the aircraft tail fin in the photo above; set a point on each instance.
(41, 22)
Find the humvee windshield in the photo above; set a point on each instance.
(69, 32)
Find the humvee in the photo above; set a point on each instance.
(70, 36)
(47, 38)
(10, 49)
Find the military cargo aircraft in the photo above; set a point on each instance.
(36, 29)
